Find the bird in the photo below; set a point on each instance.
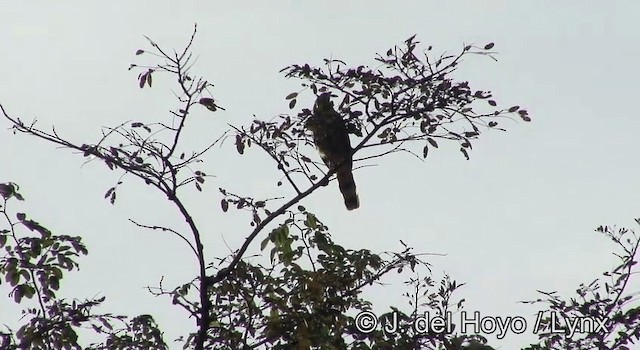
(331, 138)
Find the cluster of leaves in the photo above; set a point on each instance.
(307, 295)
(605, 313)
(409, 99)
(151, 151)
(148, 151)
(308, 292)
(293, 295)
(33, 263)
(257, 207)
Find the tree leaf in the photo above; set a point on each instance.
(209, 103)
(464, 151)
(225, 205)
(239, 144)
(264, 243)
(7, 190)
(291, 95)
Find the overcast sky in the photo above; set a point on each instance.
(517, 217)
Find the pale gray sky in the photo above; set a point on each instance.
(515, 218)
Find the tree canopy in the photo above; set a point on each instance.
(306, 292)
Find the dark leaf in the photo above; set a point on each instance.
(7, 190)
(109, 192)
(239, 144)
(225, 205)
(13, 277)
(291, 95)
(470, 134)
(489, 46)
(464, 151)
(209, 103)
(139, 52)
(17, 294)
(524, 115)
(264, 243)
(292, 103)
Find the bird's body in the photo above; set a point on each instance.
(331, 138)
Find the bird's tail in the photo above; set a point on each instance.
(348, 187)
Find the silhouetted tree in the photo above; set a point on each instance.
(309, 292)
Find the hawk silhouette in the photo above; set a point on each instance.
(331, 138)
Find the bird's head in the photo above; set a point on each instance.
(323, 103)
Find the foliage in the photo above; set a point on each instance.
(603, 315)
(308, 292)
(406, 102)
(34, 263)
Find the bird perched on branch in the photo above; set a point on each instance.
(331, 138)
